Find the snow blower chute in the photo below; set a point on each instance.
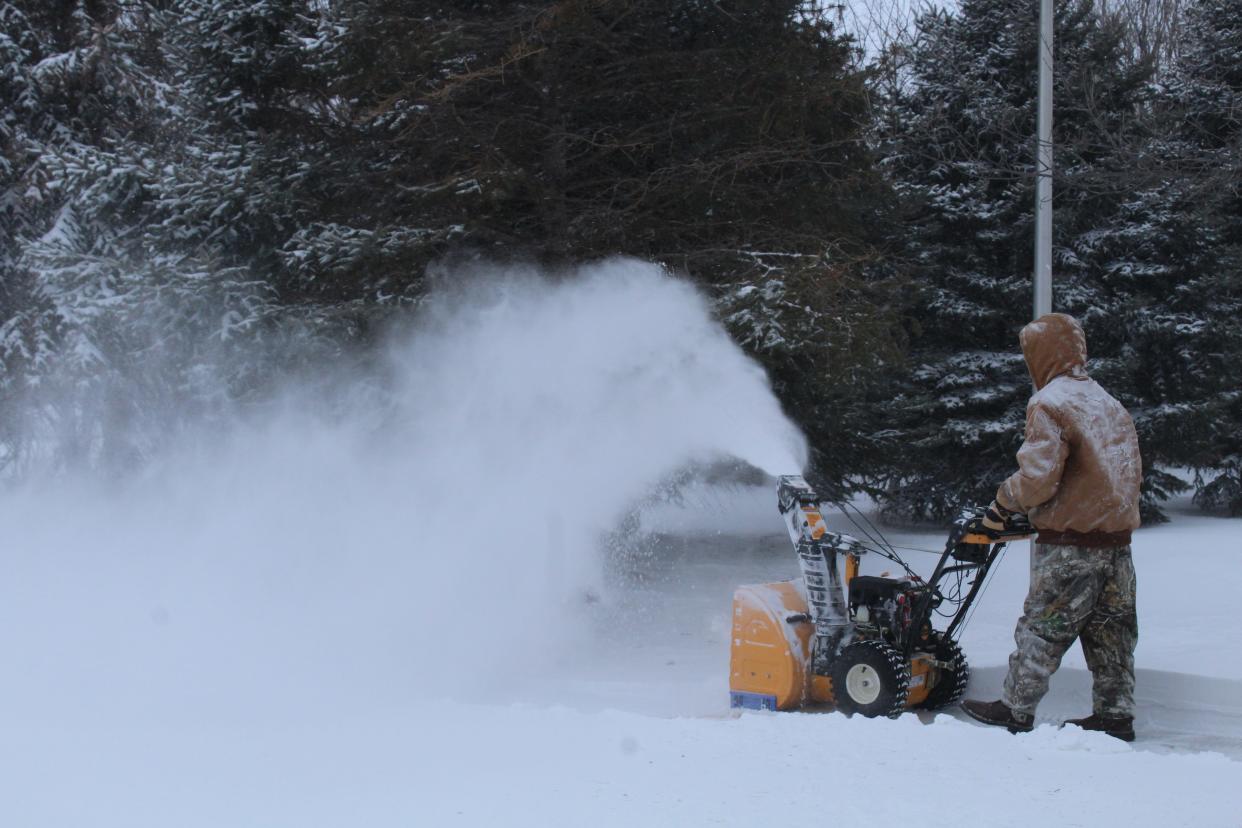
(864, 644)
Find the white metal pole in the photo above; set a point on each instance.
(1043, 168)
(1043, 171)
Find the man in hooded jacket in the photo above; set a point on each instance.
(1078, 482)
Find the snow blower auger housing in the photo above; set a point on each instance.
(863, 644)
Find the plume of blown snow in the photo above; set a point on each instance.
(415, 546)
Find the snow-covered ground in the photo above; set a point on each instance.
(313, 622)
(635, 727)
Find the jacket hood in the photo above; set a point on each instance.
(1054, 344)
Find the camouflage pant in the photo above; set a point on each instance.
(1076, 592)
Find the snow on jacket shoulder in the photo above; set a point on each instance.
(1079, 468)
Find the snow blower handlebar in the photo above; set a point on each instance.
(970, 548)
(969, 529)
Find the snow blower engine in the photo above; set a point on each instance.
(861, 643)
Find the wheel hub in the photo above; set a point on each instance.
(862, 683)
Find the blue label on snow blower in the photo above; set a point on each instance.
(751, 701)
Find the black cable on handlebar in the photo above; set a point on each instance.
(884, 553)
(878, 538)
(955, 598)
(988, 580)
(915, 549)
(880, 542)
(885, 549)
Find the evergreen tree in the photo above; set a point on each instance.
(183, 179)
(112, 309)
(959, 136)
(726, 139)
(1204, 98)
(211, 172)
(1167, 302)
(69, 82)
(252, 108)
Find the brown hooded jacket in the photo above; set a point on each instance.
(1079, 468)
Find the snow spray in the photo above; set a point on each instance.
(427, 547)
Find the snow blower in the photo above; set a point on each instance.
(863, 644)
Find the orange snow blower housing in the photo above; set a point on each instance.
(863, 644)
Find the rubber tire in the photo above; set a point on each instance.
(892, 670)
(952, 684)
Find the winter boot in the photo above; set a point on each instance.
(1119, 727)
(996, 713)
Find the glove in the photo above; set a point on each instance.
(997, 518)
